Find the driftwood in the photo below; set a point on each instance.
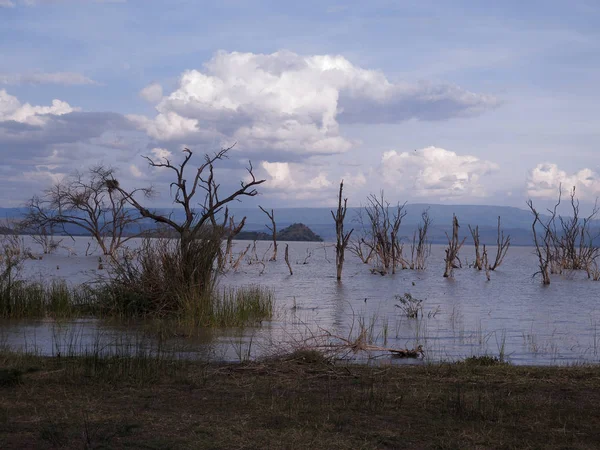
(360, 344)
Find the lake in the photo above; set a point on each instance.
(513, 314)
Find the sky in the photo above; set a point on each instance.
(455, 102)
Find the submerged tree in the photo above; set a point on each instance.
(91, 201)
(502, 245)
(342, 238)
(44, 237)
(544, 243)
(478, 264)
(382, 233)
(196, 229)
(421, 247)
(231, 231)
(452, 261)
(273, 230)
(572, 246)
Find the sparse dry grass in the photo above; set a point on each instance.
(299, 402)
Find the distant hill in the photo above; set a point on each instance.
(295, 232)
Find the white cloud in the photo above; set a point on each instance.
(161, 153)
(294, 181)
(12, 109)
(166, 127)
(435, 173)
(288, 103)
(7, 4)
(152, 93)
(355, 181)
(64, 78)
(545, 180)
(133, 169)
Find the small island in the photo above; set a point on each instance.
(295, 232)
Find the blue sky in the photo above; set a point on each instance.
(439, 101)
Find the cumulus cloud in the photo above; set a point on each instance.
(294, 181)
(7, 4)
(545, 180)
(64, 78)
(161, 153)
(152, 93)
(286, 103)
(436, 173)
(30, 134)
(11, 109)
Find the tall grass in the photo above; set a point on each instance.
(20, 299)
(164, 281)
(161, 280)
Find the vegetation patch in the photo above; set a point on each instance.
(290, 403)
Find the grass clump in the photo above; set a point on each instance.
(20, 299)
(164, 281)
(483, 360)
(410, 306)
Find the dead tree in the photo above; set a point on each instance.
(273, 230)
(359, 246)
(93, 202)
(452, 260)
(544, 245)
(225, 256)
(383, 231)
(576, 249)
(45, 239)
(502, 245)
(342, 238)
(420, 248)
(287, 258)
(196, 225)
(485, 262)
(478, 264)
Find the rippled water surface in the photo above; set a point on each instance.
(513, 314)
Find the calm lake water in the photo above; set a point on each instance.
(512, 314)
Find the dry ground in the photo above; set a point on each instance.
(295, 403)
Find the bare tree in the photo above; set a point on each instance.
(486, 263)
(452, 260)
(384, 226)
(502, 245)
(45, 239)
(544, 244)
(93, 202)
(478, 264)
(420, 248)
(342, 238)
(359, 246)
(287, 259)
(273, 230)
(575, 245)
(231, 232)
(197, 222)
